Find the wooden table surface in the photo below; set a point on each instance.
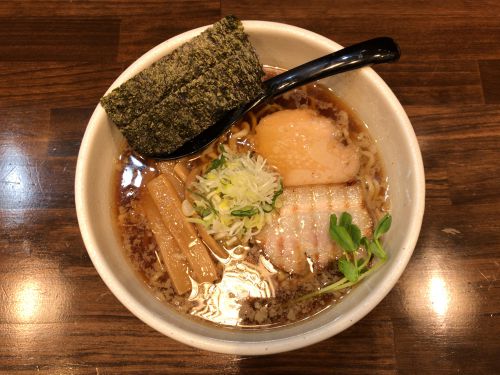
(58, 57)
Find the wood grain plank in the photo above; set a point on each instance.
(469, 136)
(107, 8)
(453, 297)
(447, 122)
(327, 9)
(435, 36)
(26, 140)
(450, 138)
(25, 122)
(55, 84)
(67, 126)
(469, 223)
(60, 297)
(41, 238)
(162, 355)
(490, 79)
(141, 33)
(22, 129)
(433, 82)
(28, 182)
(475, 177)
(59, 39)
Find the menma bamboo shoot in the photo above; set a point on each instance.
(169, 206)
(174, 259)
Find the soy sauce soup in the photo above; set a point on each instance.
(252, 289)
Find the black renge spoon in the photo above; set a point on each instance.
(373, 51)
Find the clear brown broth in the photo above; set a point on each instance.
(133, 172)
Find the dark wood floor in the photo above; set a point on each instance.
(58, 57)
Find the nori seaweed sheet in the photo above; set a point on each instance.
(195, 106)
(140, 93)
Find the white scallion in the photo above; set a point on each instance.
(236, 196)
(187, 208)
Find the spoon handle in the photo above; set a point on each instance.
(373, 51)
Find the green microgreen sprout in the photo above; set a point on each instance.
(207, 210)
(348, 236)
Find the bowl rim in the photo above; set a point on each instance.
(249, 347)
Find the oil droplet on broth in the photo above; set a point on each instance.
(221, 304)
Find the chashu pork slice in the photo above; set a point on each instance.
(300, 229)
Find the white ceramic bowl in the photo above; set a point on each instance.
(284, 46)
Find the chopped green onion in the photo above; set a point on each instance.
(245, 212)
(216, 163)
(236, 195)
